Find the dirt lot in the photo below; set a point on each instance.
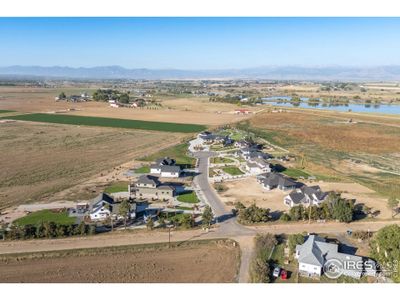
(196, 262)
(39, 160)
(249, 191)
(362, 194)
(192, 110)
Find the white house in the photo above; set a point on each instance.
(306, 196)
(258, 166)
(315, 252)
(165, 167)
(101, 207)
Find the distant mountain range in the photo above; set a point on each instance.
(380, 73)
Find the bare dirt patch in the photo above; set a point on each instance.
(362, 194)
(196, 262)
(249, 191)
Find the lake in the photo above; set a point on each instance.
(358, 108)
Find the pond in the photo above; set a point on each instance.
(392, 109)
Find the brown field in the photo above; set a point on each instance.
(39, 160)
(193, 262)
(181, 110)
(365, 152)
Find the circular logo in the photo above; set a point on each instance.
(333, 268)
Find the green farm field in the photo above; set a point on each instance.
(109, 122)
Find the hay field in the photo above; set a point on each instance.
(38, 160)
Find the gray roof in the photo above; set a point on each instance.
(314, 250)
(297, 197)
(174, 169)
(165, 161)
(148, 179)
(275, 179)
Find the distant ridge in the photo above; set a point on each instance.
(379, 73)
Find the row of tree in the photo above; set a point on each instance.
(109, 94)
(334, 208)
(251, 214)
(47, 230)
(260, 264)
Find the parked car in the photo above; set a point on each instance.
(276, 272)
(284, 274)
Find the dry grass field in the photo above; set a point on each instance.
(39, 160)
(366, 151)
(194, 262)
(178, 110)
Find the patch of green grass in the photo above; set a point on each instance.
(4, 111)
(178, 152)
(295, 173)
(45, 216)
(117, 187)
(221, 160)
(184, 207)
(232, 171)
(142, 170)
(188, 198)
(109, 122)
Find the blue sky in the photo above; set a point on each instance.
(199, 43)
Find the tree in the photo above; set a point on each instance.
(150, 223)
(294, 240)
(393, 203)
(124, 210)
(207, 216)
(341, 209)
(62, 96)
(187, 221)
(259, 271)
(385, 249)
(123, 98)
(161, 221)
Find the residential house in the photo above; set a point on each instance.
(103, 207)
(275, 180)
(306, 195)
(315, 252)
(258, 166)
(165, 167)
(210, 138)
(149, 187)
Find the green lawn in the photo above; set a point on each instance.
(232, 171)
(221, 160)
(4, 111)
(295, 173)
(109, 122)
(188, 198)
(45, 216)
(177, 152)
(184, 207)
(117, 187)
(142, 170)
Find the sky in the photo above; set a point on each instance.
(199, 43)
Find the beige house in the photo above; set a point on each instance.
(149, 187)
